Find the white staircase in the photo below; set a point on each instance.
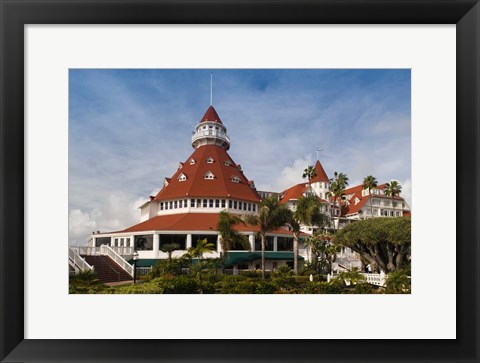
(77, 262)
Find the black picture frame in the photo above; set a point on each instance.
(15, 14)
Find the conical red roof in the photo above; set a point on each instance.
(195, 185)
(211, 115)
(321, 174)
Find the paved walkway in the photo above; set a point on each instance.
(129, 282)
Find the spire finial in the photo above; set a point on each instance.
(211, 89)
(318, 153)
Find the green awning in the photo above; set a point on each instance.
(235, 258)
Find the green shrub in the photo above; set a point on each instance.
(265, 287)
(180, 285)
(146, 288)
(362, 289)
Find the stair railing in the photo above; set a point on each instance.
(78, 261)
(108, 251)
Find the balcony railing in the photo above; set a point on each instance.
(201, 134)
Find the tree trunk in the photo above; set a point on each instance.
(295, 253)
(262, 237)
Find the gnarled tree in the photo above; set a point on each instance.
(385, 243)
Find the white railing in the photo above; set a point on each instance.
(372, 279)
(86, 250)
(108, 251)
(96, 251)
(200, 134)
(376, 279)
(123, 250)
(143, 271)
(78, 263)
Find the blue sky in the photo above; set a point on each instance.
(128, 129)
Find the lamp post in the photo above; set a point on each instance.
(135, 259)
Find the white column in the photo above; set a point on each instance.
(275, 243)
(132, 241)
(156, 245)
(219, 245)
(251, 239)
(112, 241)
(189, 241)
(93, 242)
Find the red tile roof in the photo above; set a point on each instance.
(294, 192)
(321, 174)
(211, 115)
(190, 222)
(357, 193)
(197, 186)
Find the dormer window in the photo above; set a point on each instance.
(252, 184)
(239, 167)
(227, 163)
(357, 201)
(192, 161)
(180, 165)
(166, 182)
(209, 175)
(210, 160)
(182, 177)
(235, 179)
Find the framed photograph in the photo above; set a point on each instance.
(106, 86)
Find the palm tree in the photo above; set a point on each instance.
(338, 184)
(308, 213)
(370, 182)
(229, 236)
(203, 246)
(270, 216)
(169, 248)
(393, 189)
(309, 173)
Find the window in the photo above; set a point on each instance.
(185, 203)
(171, 205)
(223, 203)
(235, 179)
(210, 160)
(182, 177)
(244, 206)
(192, 161)
(234, 204)
(217, 203)
(230, 204)
(227, 163)
(180, 239)
(284, 244)
(128, 241)
(144, 243)
(249, 207)
(209, 175)
(115, 242)
(254, 207)
(211, 203)
(205, 203)
(180, 165)
(199, 203)
(192, 203)
(211, 238)
(175, 204)
(161, 205)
